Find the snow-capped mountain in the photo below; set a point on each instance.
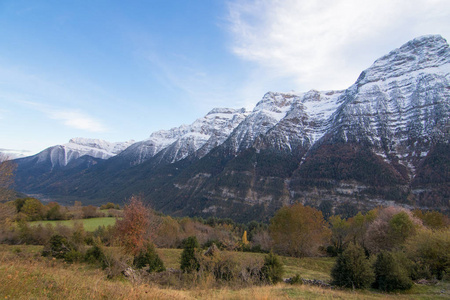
(177, 143)
(62, 155)
(286, 121)
(385, 138)
(400, 105)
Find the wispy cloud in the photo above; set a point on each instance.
(325, 44)
(78, 120)
(73, 118)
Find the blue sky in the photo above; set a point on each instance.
(119, 70)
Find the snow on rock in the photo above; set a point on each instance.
(177, 143)
(399, 106)
(61, 155)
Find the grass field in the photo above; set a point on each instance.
(27, 275)
(89, 224)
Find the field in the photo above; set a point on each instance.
(27, 275)
(89, 224)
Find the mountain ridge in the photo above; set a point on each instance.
(371, 143)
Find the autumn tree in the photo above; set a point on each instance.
(168, 234)
(55, 211)
(89, 211)
(339, 233)
(432, 219)
(7, 169)
(133, 228)
(430, 249)
(298, 230)
(33, 209)
(359, 224)
(390, 229)
(244, 238)
(7, 213)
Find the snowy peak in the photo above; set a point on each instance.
(286, 121)
(62, 155)
(426, 54)
(179, 142)
(89, 144)
(400, 106)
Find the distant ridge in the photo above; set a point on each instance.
(384, 139)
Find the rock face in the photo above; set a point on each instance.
(62, 155)
(385, 138)
(178, 143)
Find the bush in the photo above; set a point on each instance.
(58, 246)
(272, 270)
(296, 280)
(221, 266)
(391, 272)
(149, 259)
(94, 255)
(189, 261)
(352, 268)
(429, 249)
(73, 256)
(115, 262)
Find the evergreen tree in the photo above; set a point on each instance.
(352, 268)
(272, 270)
(147, 257)
(189, 261)
(391, 272)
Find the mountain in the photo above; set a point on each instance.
(78, 152)
(61, 155)
(384, 139)
(178, 143)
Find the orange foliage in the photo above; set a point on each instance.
(133, 228)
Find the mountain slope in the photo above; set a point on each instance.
(383, 139)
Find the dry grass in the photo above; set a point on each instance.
(24, 274)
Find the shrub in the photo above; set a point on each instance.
(429, 249)
(94, 255)
(391, 272)
(296, 280)
(115, 262)
(58, 246)
(352, 268)
(189, 261)
(73, 256)
(149, 259)
(272, 271)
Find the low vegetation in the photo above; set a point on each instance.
(383, 253)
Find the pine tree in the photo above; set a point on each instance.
(352, 268)
(189, 261)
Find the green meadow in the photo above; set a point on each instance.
(88, 224)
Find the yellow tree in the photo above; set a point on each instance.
(244, 238)
(298, 230)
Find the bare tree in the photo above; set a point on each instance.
(7, 168)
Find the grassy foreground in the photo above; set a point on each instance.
(89, 224)
(27, 275)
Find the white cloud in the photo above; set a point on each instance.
(326, 44)
(72, 118)
(78, 120)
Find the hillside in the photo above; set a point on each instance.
(385, 138)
